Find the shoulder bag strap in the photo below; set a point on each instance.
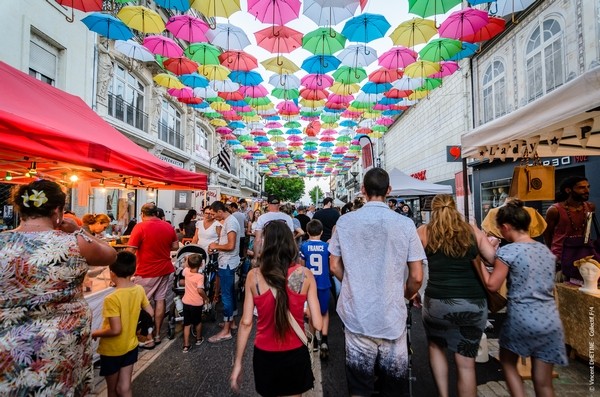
(293, 322)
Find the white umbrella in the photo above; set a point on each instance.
(224, 85)
(228, 36)
(329, 12)
(205, 92)
(506, 7)
(407, 83)
(134, 50)
(357, 55)
(285, 81)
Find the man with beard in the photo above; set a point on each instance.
(567, 218)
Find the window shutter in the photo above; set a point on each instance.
(42, 60)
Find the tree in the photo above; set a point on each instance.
(316, 195)
(287, 189)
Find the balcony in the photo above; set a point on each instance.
(249, 184)
(127, 113)
(170, 135)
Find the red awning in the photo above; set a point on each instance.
(62, 134)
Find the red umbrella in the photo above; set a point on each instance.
(385, 75)
(238, 60)
(277, 12)
(190, 101)
(83, 5)
(313, 94)
(180, 65)
(396, 93)
(188, 28)
(279, 39)
(231, 96)
(494, 27)
(465, 22)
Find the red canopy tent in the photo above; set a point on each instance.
(63, 135)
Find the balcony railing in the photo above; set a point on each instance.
(170, 135)
(121, 110)
(249, 184)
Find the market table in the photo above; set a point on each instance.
(578, 314)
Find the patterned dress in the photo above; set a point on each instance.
(45, 322)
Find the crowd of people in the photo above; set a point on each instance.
(368, 256)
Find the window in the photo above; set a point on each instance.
(169, 126)
(201, 143)
(126, 98)
(494, 92)
(544, 59)
(43, 60)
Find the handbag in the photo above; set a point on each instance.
(305, 336)
(495, 300)
(577, 247)
(532, 182)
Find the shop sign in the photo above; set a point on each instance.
(170, 160)
(557, 161)
(420, 175)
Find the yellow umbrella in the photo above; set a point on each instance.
(249, 119)
(312, 103)
(268, 106)
(414, 31)
(280, 65)
(421, 69)
(371, 114)
(332, 126)
(418, 94)
(214, 72)
(216, 8)
(167, 80)
(141, 18)
(218, 122)
(220, 106)
(344, 89)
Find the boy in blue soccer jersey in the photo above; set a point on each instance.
(315, 256)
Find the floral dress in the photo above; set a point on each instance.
(45, 322)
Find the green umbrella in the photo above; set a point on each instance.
(282, 93)
(329, 119)
(323, 41)
(430, 84)
(258, 101)
(203, 53)
(212, 115)
(275, 131)
(380, 128)
(349, 75)
(427, 8)
(362, 105)
(292, 124)
(440, 50)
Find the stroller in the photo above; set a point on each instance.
(174, 314)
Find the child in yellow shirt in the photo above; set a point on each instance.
(118, 346)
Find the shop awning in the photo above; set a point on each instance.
(63, 135)
(564, 122)
(405, 185)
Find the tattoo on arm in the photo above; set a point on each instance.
(295, 281)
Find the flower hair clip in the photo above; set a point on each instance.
(38, 198)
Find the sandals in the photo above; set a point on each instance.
(218, 338)
(186, 349)
(147, 345)
(157, 340)
(199, 341)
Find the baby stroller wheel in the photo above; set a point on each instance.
(171, 330)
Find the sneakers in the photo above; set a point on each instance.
(315, 344)
(186, 349)
(324, 351)
(199, 341)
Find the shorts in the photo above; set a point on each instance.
(112, 364)
(282, 373)
(155, 287)
(192, 315)
(368, 357)
(323, 295)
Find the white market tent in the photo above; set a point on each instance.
(406, 185)
(565, 122)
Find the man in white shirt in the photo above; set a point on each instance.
(273, 214)
(372, 251)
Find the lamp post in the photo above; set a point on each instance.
(262, 174)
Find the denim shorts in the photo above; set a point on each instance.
(112, 364)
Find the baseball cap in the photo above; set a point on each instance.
(301, 208)
(272, 199)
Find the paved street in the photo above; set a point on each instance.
(204, 371)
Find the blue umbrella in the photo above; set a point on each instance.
(320, 64)
(107, 26)
(348, 123)
(237, 124)
(246, 78)
(477, 2)
(388, 101)
(467, 50)
(239, 103)
(194, 80)
(366, 27)
(179, 5)
(391, 112)
(329, 110)
(376, 88)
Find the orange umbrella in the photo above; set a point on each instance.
(180, 65)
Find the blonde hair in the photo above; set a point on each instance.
(448, 232)
(92, 219)
(587, 259)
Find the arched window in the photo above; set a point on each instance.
(169, 126)
(544, 57)
(126, 98)
(494, 92)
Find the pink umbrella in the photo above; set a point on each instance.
(223, 130)
(336, 98)
(188, 28)
(317, 81)
(164, 46)
(446, 69)
(337, 105)
(465, 22)
(379, 106)
(273, 124)
(288, 106)
(387, 121)
(397, 58)
(257, 91)
(185, 92)
(329, 131)
(245, 108)
(277, 12)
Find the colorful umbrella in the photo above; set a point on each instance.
(329, 12)
(188, 28)
(494, 27)
(440, 50)
(280, 65)
(397, 58)
(134, 50)
(167, 80)
(203, 53)
(320, 64)
(465, 22)
(193, 80)
(349, 75)
(357, 55)
(216, 8)
(238, 60)
(179, 5)
(413, 32)
(446, 69)
(279, 39)
(253, 91)
(427, 8)
(162, 45)
(180, 65)
(420, 69)
(344, 88)
(384, 75)
(214, 72)
(277, 12)
(366, 27)
(281, 93)
(505, 7)
(317, 81)
(323, 41)
(82, 5)
(142, 19)
(376, 88)
(107, 26)
(467, 49)
(228, 36)
(246, 78)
